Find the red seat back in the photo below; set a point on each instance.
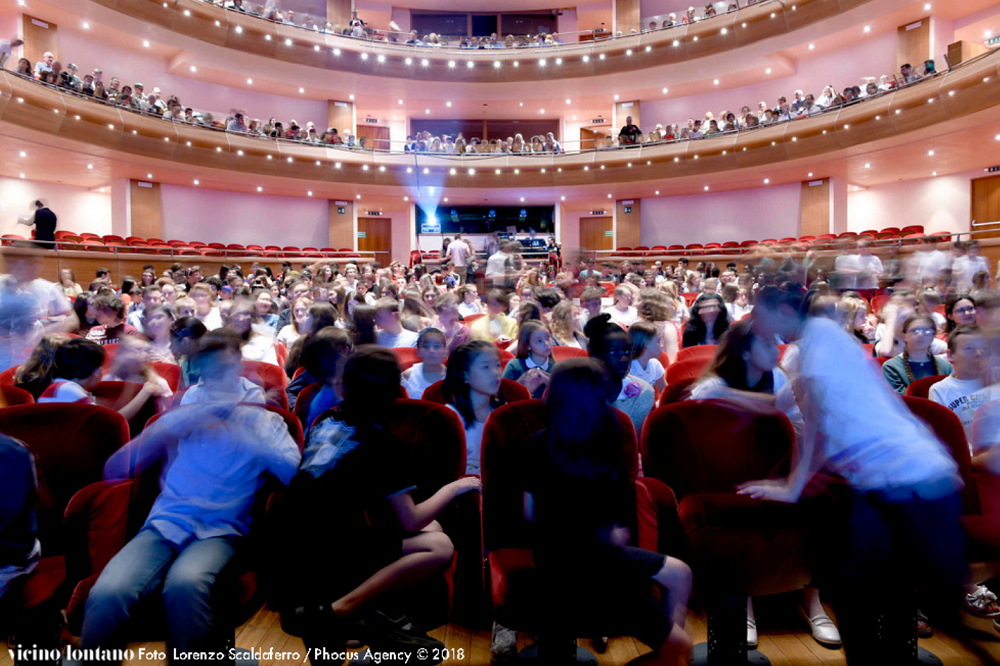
(948, 427)
(560, 353)
(269, 377)
(170, 372)
(7, 376)
(700, 352)
(436, 439)
(921, 388)
(509, 389)
(710, 446)
(688, 369)
(115, 395)
(504, 451)
(675, 391)
(407, 357)
(473, 317)
(70, 443)
(15, 396)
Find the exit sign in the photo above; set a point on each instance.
(373, 121)
(362, 234)
(609, 234)
(597, 212)
(341, 210)
(628, 209)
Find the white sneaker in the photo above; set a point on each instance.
(824, 631)
(751, 634)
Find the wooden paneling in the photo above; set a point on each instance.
(595, 233)
(986, 203)
(962, 50)
(39, 37)
(146, 209)
(623, 110)
(627, 15)
(341, 224)
(591, 139)
(340, 115)
(814, 208)
(913, 43)
(338, 12)
(377, 234)
(376, 137)
(627, 226)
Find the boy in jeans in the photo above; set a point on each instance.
(216, 458)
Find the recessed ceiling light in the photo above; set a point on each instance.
(197, 182)
(542, 62)
(522, 199)
(22, 176)
(569, 101)
(767, 71)
(650, 48)
(868, 165)
(767, 181)
(358, 196)
(425, 62)
(145, 43)
(812, 47)
(381, 169)
(562, 198)
(267, 38)
(868, 28)
(715, 82)
(336, 52)
(193, 68)
(930, 153)
(927, 6)
(628, 52)
(706, 188)
(448, 104)
(666, 90)
(451, 64)
(541, 111)
(309, 193)
(497, 171)
(364, 167)
(90, 166)
(24, 154)
(380, 58)
(470, 64)
(288, 42)
(249, 82)
(406, 198)
(602, 56)
(616, 98)
(149, 175)
(516, 63)
(364, 56)
(453, 171)
(427, 111)
(336, 165)
(351, 97)
(260, 189)
(446, 199)
(86, 26)
(586, 58)
(517, 171)
(657, 193)
(934, 173)
(400, 101)
(409, 61)
(239, 30)
(520, 103)
(809, 175)
(496, 64)
(302, 91)
(426, 170)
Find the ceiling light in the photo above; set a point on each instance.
(288, 42)
(541, 111)
(868, 28)
(289, 160)
(453, 171)
(666, 90)
(351, 97)
(706, 188)
(90, 166)
(542, 62)
(336, 165)
(381, 169)
(609, 196)
(930, 153)
(260, 189)
(427, 111)
(196, 182)
(767, 71)
(24, 154)
(406, 198)
(451, 64)
(309, 193)
(400, 101)
(425, 62)
(364, 167)
(809, 175)
(934, 173)
(364, 56)
(497, 171)
(657, 193)
(677, 42)
(602, 167)
(318, 163)
(240, 153)
(86, 26)
(357, 197)
(380, 58)
(543, 169)
(446, 199)
(267, 38)
(868, 165)
(517, 171)
(767, 181)
(562, 198)
(336, 52)
(628, 52)
(472, 172)
(20, 3)
(616, 98)
(516, 63)
(302, 91)
(249, 82)
(193, 68)
(558, 61)
(316, 48)
(927, 6)
(22, 176)
(496, 64)
(522, 199)
(586, 58)
(724, 31)
(145, 43)
(812, 47)
(715, 82)
(448, 104)
(409, 61)
(426, 171)
(239, 30)
(586, 168)
(602, 56)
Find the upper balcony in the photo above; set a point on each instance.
(963, 104)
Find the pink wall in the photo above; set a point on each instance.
(654, 8)
(871, 57)
(213, 216)
(568, 23)
(151, 71)
(78, 208)
(594, 16)
(374, 14)
(940, 204)
(767, 212)
(569, 233)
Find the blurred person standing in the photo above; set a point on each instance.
(44, 221)
(30, 307)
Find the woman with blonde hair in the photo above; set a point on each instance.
(564, 323)
(656, 308)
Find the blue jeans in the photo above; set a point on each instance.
(147, 564)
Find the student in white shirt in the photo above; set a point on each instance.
(965, 389)
(647, 345)
(470, 304)
(219, 364)
(965, 267)
(472, 389)
(622, 311)
(432, 348)
(903, 504)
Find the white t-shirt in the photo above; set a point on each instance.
(458, 251)
(965, 268)
(870, 267)
(416, 382)
(212, 320)
(243, 391)
(847, 266)
(405, 338)
(473, 443)
(466, 309)
(964, 397)
(706, 389)
(737, 312)
(653, 372)
(623, 319)
(865, 432)
(496, 265)
(288, 335)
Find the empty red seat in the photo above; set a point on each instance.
(712, 246)
(676, 247)
(699, 352)
(235, 246)
(111, 237)
(197, 244)
(290, 248)
(15, 396)
(175, 243)
(689, 369)
(560, 353)
(921, 388)
(217, 246)
(311, 250)
(694, 246)
(86, 234)
(8, 239)
(269, 377)
(748, 243)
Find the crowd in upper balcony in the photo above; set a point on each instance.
(169, 107)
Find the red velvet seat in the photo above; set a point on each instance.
(509, 389)
(471, 318)
(699, 352)
(115, 395)
(271, 378)
(170, 372)
(514, 581)
(560, 353)
(689, 369)
(407, 357)
(7, 376)
(15, 396)
(737, 546)
(675, 391)
(921, 388)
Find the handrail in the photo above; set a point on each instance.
(143, 251)
(485, 155)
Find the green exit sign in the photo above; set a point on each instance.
(609, 234)
(362, 234)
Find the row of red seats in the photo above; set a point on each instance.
(914, 232)
(109, 242)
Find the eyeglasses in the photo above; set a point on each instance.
(922, 331)
(968, 309)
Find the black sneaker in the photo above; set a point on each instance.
(399, 633)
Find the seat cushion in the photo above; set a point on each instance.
(45, 581)
(984, 537)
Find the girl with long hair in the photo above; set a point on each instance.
(472, 389)
(709, 320)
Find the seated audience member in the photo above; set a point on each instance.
(513, 303)
(630, 133)
(965, 390)
(218, 365)
(433, 351)
(300, 322)
(622, 312)
(38, 371)
(565, 326)
(609, 344)
(647, 346)
(321, 315)
(323, 356)
(216, 458)
(68, 282)
(472, 388)
(156, 322)
(185, 333)
(470, 304)
(985, 443)
(78, 371)
(110, 311)
(296, 289)
(739, 306)
(257, 337)
(19, 526)
(533, 365)
(590, 304)
(496, 325)
(854, 313)
(709, 320)
(356, 478)
(205, 307)
(581, 498)
(151, 296)
(447, 309)
(916, 361)
(960, 310)
(391, 332)
(656, 308)
(264, 306)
